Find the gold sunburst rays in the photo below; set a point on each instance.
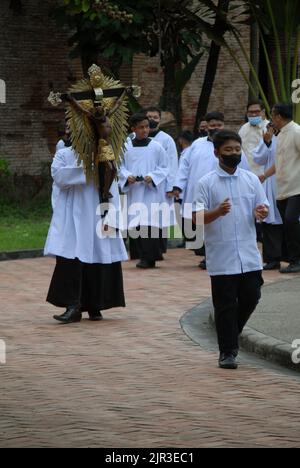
(83, 136)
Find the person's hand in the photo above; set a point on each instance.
(261, 212)
(148, 179)
(262, 178)
(170, 194)
(269, 134)
(225, 207)
(176, 194)
(131, 180)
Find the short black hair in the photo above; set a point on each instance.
(214, 116)
(256, 102)
(137, 118)
(152, 109)
(284, 110)
(186, 135)
(225, 135)
(61, 128)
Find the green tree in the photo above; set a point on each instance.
(280, 23)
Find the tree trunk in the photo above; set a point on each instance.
(170, 100)
(211, 68)
(254, 56)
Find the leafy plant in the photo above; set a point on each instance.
(4, 168)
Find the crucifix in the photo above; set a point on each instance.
(97, 114)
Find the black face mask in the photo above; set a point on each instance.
(68, 142)
(213, 132)
(232, 161)
(153, 124)
(203, 133)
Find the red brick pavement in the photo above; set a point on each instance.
(134, 379)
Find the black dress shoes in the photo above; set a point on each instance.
(228, 361)
(95, 316)
(72, 315)
(272, 266)
(292, 268)
(145, 265)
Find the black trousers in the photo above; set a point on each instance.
(290, 213)
(147, 247)
(150, 249)
(92, 287)
(164, 241)
(235, 298)
(274, 248)
(189, 223)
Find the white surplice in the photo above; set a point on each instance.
(144, 200)
(76, 229)
(265, 156)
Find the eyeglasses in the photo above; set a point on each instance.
(254, 113)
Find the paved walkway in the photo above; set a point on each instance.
(134, 379)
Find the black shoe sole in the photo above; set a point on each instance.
(277, 267)
(66, 322)
(228, 366)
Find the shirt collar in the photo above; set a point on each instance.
(223, 173)
(287, 127)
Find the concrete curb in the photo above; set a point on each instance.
(267, 347)
(21, 254)
(37, 253)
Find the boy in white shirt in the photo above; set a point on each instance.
(231, 199)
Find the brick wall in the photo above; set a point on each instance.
(230, 93)
(34, 59)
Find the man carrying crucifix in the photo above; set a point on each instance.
(86, 241)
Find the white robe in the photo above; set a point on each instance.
(265, 157)
(76, 229)
(169, 146)
(55, 189)
(198, 161)
(60, 145)
(144, 200)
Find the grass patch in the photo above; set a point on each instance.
(24, 225)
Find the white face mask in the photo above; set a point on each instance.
(255, 121)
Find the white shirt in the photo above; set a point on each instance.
(287, 161)
(265, 156)
(76, 229)
(251, 136)
(230, 241)
(198, 161)
(144, 200)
